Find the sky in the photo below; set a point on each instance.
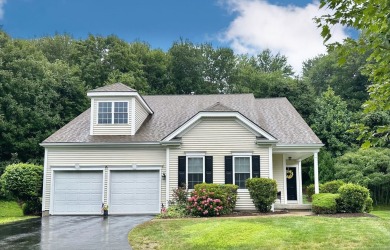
(246, 26)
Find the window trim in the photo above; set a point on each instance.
(113, 113)
(191, 155)
(241, 155)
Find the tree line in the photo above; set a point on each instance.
(43, 85)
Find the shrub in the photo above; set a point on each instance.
(227, 193)
(263, 192)
(230, 199)
(310, 190)
(325, 203)
(23, 181)
(173, 211)
(331, 186)
(368, 205)
(201, 203)
(352, 198)
(32, 207)
(180, 196)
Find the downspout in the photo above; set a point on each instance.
(44, 183)
(167, 176)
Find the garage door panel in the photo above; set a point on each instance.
(134, 191)
(77, 192)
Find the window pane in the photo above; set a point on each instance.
(120, 112)
(195, 165)
(242, 164)
(240, 179)
(120, 118)
(195, 171)
(104, 113)
(194, 179)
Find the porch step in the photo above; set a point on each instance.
(292, 206)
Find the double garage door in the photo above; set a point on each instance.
(81, 192)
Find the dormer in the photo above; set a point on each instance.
(117, 109)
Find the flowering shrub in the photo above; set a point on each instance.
(202, 204)
(180, 195)
(226, 193)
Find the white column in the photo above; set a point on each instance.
(316, 181)
(270, 164)
(299, 179)
(167, 177)
(271, 171)
(44, 182)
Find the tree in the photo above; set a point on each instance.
(367, 167)
(186, 68)
(372, 19)
(266, 62)
(37, 97)
(219, 67)
(346, 80)
(330, 121)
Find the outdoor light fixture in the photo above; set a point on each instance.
(163, 176)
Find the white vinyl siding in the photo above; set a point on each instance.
(140, 115)
(219, 137)
(279, 174)
(112, 128)
(100, 157)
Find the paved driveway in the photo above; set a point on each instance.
(70, 232)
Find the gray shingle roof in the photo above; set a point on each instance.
(275, 115)
(218, 107)
(116, 87)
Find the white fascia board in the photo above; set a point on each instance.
(75, 144)
(203, 114)
(297, 147)
(115, 94)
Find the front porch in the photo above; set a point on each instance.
(287, 171)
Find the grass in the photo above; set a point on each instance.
(10, 211)
(292, 232)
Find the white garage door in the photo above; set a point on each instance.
(134, 192)
(77, 192)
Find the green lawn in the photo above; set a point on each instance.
(10, 211)
(293, 232)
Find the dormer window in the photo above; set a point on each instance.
(109, 115)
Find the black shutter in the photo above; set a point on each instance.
(182, 171)
(255, 166)
(228, 169)
(209, 169)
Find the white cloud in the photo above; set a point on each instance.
(2, 2)
(288, 30)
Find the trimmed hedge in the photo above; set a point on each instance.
(331, 186)
(263, 192)
(353, 198)
(328, 187)
(23, 181)
(325, 203)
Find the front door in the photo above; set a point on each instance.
(291, 183)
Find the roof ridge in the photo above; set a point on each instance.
(115, 87)
(218, 106)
